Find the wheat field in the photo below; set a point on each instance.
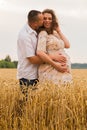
(50, 107)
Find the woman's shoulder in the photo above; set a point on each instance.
(43, 32)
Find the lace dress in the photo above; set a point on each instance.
(50, 44)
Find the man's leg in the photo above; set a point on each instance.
(25, 83)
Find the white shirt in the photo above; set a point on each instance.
(26, 47)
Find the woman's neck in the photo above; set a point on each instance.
(49, 31)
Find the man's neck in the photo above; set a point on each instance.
(32, 26)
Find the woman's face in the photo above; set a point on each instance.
(47, 20)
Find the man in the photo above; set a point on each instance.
(26, 47)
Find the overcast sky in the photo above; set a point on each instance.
(72, 15)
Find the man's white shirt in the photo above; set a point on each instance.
(26, 47)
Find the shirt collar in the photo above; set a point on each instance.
(30, 30)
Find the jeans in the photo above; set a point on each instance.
(24, 85)
(27, 82)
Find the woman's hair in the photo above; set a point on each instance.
(54, 21)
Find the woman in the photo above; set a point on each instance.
(51, 40)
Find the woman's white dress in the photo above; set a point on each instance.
(50, 44)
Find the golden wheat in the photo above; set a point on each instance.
(50, 107)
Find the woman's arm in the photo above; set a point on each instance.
(61, 35)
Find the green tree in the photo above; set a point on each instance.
(6, 64)
(15, 63)
(8, 58)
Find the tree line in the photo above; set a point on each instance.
(7, 63)
(79, 65)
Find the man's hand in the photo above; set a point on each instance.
(59, 57)
(61, 67)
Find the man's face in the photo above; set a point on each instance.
(40, 20)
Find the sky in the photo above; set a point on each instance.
(71, 14)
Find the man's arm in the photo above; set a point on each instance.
(42, 57)
(46, 58)
(62, 36)
(35, 60)
(57, 56)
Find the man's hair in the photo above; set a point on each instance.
(32, 15)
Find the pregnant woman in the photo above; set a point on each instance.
(51, 40)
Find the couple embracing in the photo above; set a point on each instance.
(40, 48)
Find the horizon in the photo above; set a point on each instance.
(12, 60)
